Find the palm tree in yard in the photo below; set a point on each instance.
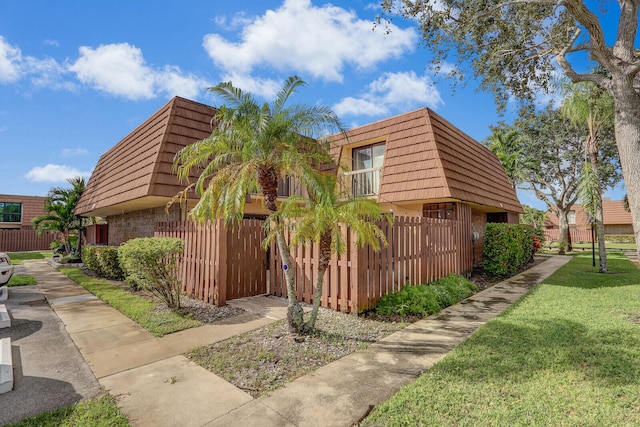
(251, 146)
(60, 205)
(319, 219)
(507, 146)
(588, 104)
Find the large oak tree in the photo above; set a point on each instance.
(514, 48)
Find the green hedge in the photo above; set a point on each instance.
(425, 300)
(619, 238)
(507, 247)
(103, 260)
(152, 262)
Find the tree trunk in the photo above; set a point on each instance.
(323, 264)
(592, 150)
(564, 243)
(627, 129)
(295, 314)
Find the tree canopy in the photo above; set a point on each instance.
(515, 48)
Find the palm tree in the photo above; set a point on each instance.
(318, 219)
(588, 104)
(251, 146)
(508, 148)
(60, 205)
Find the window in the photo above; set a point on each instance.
(571, 217)
(10, 212)
(367, 164)
(499, 217)
(439, 210)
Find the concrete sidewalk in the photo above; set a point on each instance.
(49, 371)
(148, 374)
(156, 386)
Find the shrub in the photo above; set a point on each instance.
(90, 258)
(153, 263)
(506, 248)
(103, 260)
(70, 259)
(619, 238)
(110, 263)
(425, 300)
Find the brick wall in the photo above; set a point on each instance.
(131, 225)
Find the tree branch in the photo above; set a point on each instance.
(561, 59)
(627, 29)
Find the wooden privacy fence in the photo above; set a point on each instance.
(419, 250)
(553, 235)
(19, 240)
(220, 263)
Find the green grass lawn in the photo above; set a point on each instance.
(21, 280)
(567, 354)
(98, 412)
(17, 258)
(139, 309)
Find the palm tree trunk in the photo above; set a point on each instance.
(323, 264)
(592, 149)
(295, 314)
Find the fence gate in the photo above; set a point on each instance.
(220, 263)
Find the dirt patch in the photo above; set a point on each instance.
(269, 357)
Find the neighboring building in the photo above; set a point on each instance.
(16, 212)
(16, 233)
(419, 164)
(615, 218)
(414, 164)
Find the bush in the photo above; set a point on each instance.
(507, 247)
(153, 263)
(110, 263)
(425, 300)
(619, 238)
(104, 261)
(70, 259)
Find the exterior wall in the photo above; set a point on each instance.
(513, 218)
(131, 225)
(478, 223)
(32, 206)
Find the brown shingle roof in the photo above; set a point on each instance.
(138, 168)
(613, 212)
(427, 158)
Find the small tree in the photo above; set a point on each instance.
(251, 147)
(153, 262)
(318, 219)
(60, 205)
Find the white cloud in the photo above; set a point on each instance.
(120, 70)
(70, 152)
(239, 20)
(392, 92)
(54, 173)
(304, 38)
(51, 42)
(10, 60)
(267, 88)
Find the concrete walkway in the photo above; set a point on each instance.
(156, 386)
(148, 374)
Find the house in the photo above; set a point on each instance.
(616, 219)
(133, 181)
(419, 164)
(16, 214)
(414, 165)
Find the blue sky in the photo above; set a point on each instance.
(77, 76)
